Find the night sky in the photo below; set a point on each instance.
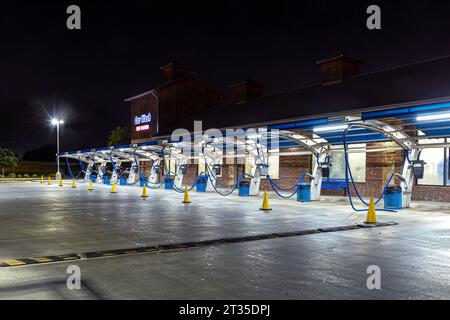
(84, 76)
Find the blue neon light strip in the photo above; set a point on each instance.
(299, 124)
(406, 111)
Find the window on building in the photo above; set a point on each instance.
(447, 166)
(249, 165)
(435, 158)
(356, 159)
(202, 168)
(274, 166)
(171, 165)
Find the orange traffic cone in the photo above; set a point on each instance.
(60, 182)
(144, 191)
(186, 196)
(91, 187)
(371, 213)
(114, 188)
(265, 205)
(74, 184)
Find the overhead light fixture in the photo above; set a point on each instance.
(55, 121)
(332, 128)
(436, 116)
(253, 136)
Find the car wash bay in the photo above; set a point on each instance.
(45, 221)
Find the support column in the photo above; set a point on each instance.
(114, 176)
(100, 171)
(133, 170)
(181, 171)
(408, 175)
(316, 181)
(87, 174)
(154, 173)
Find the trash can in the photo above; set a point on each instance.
(244, 188)
(123, 182)
(201, 183)
(93, 178)
(304, 192)
(106, 180)
(393, 198)
(168, 183)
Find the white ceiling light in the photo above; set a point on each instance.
(253, 136)
(332, 128)
(436, 116)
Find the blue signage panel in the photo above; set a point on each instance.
(145, 118)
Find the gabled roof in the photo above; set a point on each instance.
(419, 81)
(181, 79)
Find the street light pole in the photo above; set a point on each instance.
(57, 149)
(57, 122)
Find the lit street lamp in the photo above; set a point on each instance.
(57, 122)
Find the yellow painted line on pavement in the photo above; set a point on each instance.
(13, 262)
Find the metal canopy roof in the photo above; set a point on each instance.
(397, 124)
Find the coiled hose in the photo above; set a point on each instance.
(278, 188)
(348, 174)
(71, 172)
(214, 179)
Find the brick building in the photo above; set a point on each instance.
(184, 98)
(183, 94)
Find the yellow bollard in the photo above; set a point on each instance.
(74, 184)
(91, 186)
(42, 179)
(114, 188)
(49, 181)
(60, 182)
(265, 205)
(144, 191)
(371, 213)
(186, 196)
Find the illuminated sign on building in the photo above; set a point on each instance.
(143, 128)
(145, 118)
